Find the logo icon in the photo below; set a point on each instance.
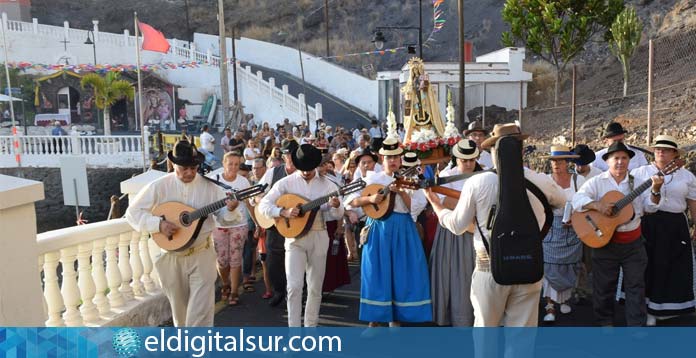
(126, 342)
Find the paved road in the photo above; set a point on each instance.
(335, 111)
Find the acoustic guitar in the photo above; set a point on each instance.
(261, 219)
(298, 226)
(596, 229)
(190, 220)
(386, 206)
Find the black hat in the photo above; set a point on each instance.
(307, 157)
(618, 147)
(185, 154)
(245, 167)
(288, 146)
(364, 152)
(376, 144)
(586, 154)
(613, 129)
(475, 126)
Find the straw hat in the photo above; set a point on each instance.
(410, 159)
(667, 141)
(466, 149)
(561, 152)
(503, 130)
(390, 146)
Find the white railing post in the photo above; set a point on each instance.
(147, 141)
(99, 277)
(259, 79)
(319, 110)
(136, 265)
(35, 25)
(192, 50)
(285, 95)
(126, 37)
(302, 109)
(54, 301)
(4, 21)
(113, 275)
(271, 82)
(75, 142)
(21, 295)
(124, 266)
(149, 284)
(209, 56)
(66, 29)
(95, 29)
(86, 283)
(174, 45)
(69, 289)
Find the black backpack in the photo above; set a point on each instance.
(515, 248)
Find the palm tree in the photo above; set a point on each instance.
(107, 91)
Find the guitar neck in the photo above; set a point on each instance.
(208, 209)
(632, 195)
(318, 202)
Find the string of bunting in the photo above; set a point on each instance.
(102, 68)
(438, 24)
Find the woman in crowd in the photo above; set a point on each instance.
(251, 152)
(562, 248)
(669, 277)
(394, 273)
(452, 256)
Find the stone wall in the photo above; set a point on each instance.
(52, 214)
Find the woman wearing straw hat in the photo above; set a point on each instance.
(562, 248)
(669, 277)
(394, 272)
(452, 257)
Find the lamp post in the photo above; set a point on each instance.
(379, 39)
(94, 45)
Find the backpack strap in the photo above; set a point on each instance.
(631, 180)
(575, 182)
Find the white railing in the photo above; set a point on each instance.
(114, 272)
(99, 151)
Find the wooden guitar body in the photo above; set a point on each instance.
(596, 229)
(381, 210)
(297, 226)
(186, 234)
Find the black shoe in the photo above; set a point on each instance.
(276, 299)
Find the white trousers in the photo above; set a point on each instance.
(496, 305)
(305, 255)
(189, 284)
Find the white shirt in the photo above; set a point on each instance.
(456, 185)
(358, 173)
(376, 132)
(418, 203)
(637, 161)
(253, 153)
(485, 159)
(678, 187)
(294, 184)
(356, 135)
(480, 193)
(195, 194)
(238, 183)
(594, 171)
(207, 140)
(595, 188)
(568, 192)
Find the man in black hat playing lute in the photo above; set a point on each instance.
(306, 254)
(188, 277)
(615, 133)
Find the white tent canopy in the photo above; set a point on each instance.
(6, 98)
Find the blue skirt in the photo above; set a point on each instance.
(395, 284)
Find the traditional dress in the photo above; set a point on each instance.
(669, 277)
(562, 252)
(394, 271)
(452, 262)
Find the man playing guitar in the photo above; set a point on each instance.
(307, 253)
(626, 248)
(188, 277)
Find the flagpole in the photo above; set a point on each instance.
(140, 91)
(9, 93)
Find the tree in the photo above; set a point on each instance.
(107, 91)
(557, 30)
(626, 32)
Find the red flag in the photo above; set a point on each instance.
(153, 40)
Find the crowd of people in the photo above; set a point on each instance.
(425, 261)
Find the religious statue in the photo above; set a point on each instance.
(422, 116)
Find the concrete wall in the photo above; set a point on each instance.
(53, 214)
(352, 88)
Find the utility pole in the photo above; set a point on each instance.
(420, 28)
(224, 85)
(189, 34)
(462, 115)
(234, 67)
(326, 17)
